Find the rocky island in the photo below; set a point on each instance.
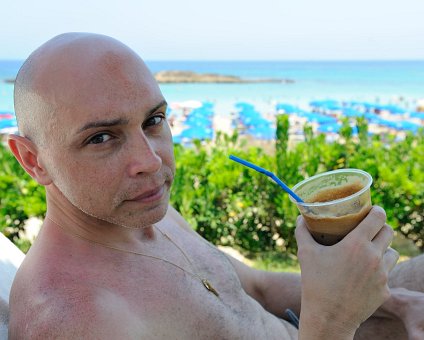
(194, 77)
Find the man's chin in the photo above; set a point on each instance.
(144, 218)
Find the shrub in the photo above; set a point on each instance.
(21, 197)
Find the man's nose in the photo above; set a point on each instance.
(143, 156)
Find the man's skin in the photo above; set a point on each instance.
(93, 131)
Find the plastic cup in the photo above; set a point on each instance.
(335, 202)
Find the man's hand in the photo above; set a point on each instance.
(344, 284)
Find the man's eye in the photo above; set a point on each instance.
(155, 120)
(100, 138)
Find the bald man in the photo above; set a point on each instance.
(113, 259)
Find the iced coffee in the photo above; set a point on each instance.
(335, 202)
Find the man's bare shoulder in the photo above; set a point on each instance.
(70, 310)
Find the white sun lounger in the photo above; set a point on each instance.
(10, 260)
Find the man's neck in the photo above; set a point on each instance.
(75, 221)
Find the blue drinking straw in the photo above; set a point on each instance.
(269, 174)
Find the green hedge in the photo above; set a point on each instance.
(232, 205)
(20, 198)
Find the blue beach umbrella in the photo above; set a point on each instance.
(255, 121)
(202, 112)
(385, 122)
(287, 108)
(250, 113)
(243, 105)
(349, 112)
(176, 139)
(369, 106)
(194, 133)
(354, 103)
(405, 125)
(262, 132)
(207, 105)
(198, 121)
(419, 115)
(321, 103)
(326, 128)
(8, 123)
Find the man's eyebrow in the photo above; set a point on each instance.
(103, 123)
(162, 103)
(118, 121)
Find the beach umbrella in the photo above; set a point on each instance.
(405, 125)
(207, 105)
(419, 115)
(369, 106)
(243, 105)
(197, 119)
(196, 133)
(326, 128)
(250, 112)
(324, 103)
(198, 124)
(349, 112)
(303, 113)
(176, 139)
(8, 123)
(255, 121)
(384, 122)
(354, 103)
(250, 117)
(205, 111)
(287, 108)
(261, 132)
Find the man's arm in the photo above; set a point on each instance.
(341, 285)
(276, 292)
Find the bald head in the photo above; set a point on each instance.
(60, 75)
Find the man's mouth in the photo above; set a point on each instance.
(150, 195)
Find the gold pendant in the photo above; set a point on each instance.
(209, 287)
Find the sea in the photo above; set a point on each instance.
(384, 82)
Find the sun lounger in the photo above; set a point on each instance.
(10, 259)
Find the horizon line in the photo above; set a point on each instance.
(263, 60)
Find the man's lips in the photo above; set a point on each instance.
(150, 195)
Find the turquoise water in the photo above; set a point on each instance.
(384, 81)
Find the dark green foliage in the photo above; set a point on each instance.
(232, 205)
(20, 196)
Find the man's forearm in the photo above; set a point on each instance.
(281, 291)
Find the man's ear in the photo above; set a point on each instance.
(27, 155)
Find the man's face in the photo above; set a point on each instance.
(110, 151)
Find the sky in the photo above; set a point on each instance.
(226, 29)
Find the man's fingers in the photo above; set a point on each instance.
(302, 233)
(372, 223)
(383, 238)
(390, 258)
